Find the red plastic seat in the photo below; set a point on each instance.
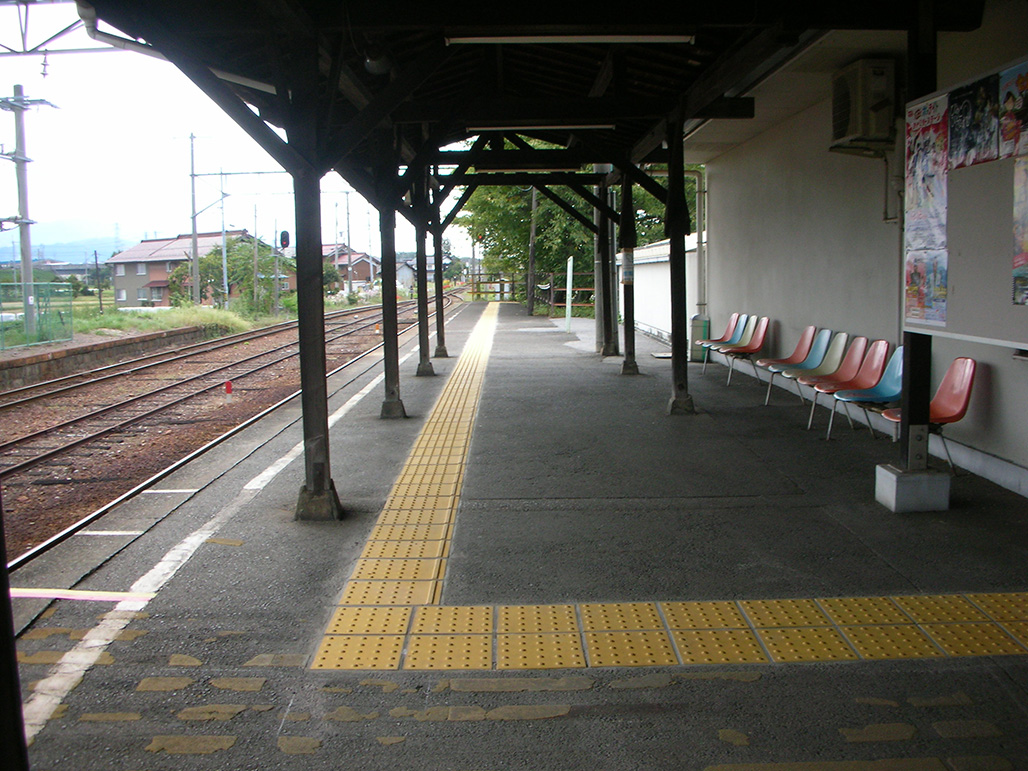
(800, 353)
(950, 401)
(707, 343)
(755, 344)
(870, 372)
(848, 369)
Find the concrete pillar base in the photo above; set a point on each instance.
(440, 352)
(321, 507)
(901, 491)
(393, 409)
(681, 405)
(629, 367)
(425, 368)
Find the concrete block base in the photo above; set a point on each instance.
(320, 506)
(902, 491)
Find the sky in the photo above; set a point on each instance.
(111, 159)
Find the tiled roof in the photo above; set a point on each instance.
(172, 249)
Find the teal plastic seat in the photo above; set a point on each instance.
(887, 390)
(829, 362)
(813, 359)
(736, 325)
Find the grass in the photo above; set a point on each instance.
(88, 320)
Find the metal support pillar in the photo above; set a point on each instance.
(627, 242)
(318, 500)
(603, 259)
(392, 407)
(676, 227)
(421, 229)
(530, 280)
(12, 725)
(440, 320)
(917, 347)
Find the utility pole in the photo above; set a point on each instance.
(99, 282)
(18, 104)
(255, 257)
(224, 246)
(349, 250)
(194, 268)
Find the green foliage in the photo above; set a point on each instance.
(239, 259)
(214, 320)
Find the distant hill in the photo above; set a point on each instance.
(72, 251)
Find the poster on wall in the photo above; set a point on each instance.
(1013, 112)
(1021, 231)
(926, 282)
(927, 163)
(974, 123)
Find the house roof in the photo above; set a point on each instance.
(172, 249)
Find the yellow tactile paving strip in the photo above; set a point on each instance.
(390, 617)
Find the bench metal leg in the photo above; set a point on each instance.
(767, 398)
(813, 405)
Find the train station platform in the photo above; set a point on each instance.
(538, 569)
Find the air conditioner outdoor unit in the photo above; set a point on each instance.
(864, 106)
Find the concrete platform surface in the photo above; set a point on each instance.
(538, 569)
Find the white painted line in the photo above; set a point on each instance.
(79, 594)
(109, 532)
(160, 492)
(260, 481)
(73, 665)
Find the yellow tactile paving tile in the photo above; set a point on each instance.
(891, 642)
(630, 649)
(1003, 607)
(405, 550)
(718, 646)
(447, 651)
(620, 616)
(398, 570)
(703, 615)
(784, 613)
(941, 608)
(409, 533)
(863, 610)
(974, 639)
(370, 620)
(525, 619)
(453, 619)
(561, 650)
(389, 593)
(806, 644)
(359, 652)
(1019, 631)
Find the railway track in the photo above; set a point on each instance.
(70, 445)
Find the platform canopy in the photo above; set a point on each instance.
(381, 87)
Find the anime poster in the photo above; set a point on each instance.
(926, 281)
(1013, 112)
(1021, 231)
(927, 164)
(974, 123)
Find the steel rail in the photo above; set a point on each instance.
(47, 455)
(89, 519)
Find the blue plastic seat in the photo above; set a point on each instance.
(740, 327)
(813, 359)
(887, 390)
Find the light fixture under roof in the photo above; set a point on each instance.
(553, 39)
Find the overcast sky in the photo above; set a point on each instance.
(113, 158)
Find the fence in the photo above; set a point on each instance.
(553, 286)
(494, 286)
(44, 316)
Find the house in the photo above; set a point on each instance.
(141, 274)
(365, 267)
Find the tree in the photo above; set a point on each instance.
(499, 220)
(239, 258)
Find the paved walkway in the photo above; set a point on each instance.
(542, 570)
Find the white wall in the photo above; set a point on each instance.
(652, 287)
(796, 233)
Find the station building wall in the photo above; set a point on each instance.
(797, 234)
